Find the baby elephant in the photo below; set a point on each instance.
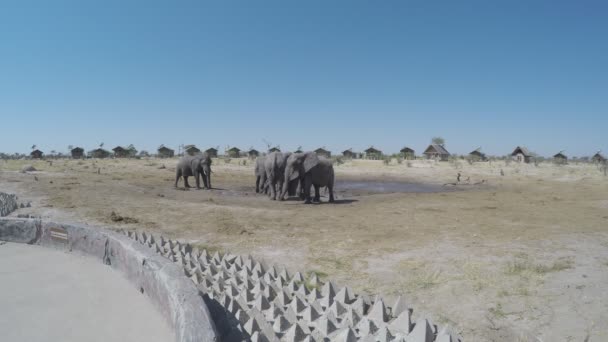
(197, 166)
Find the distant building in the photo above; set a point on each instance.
(598, 158)
(191, 150)
(437, 152)
(323, 152)
(36, 154)
(408, 153)
(253, 153)
(234, 152)
(165, 152)
(77, 153)
(299, 150)
(560, 158)
(521, 155)
(99, 153)
(478, 155)
(120, 152)
(373, 153)
(348, 153)
(274, 149)
(212, 152)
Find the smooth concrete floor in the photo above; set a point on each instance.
(48, 295)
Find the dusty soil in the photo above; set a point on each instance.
(520, 257)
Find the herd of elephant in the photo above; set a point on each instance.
(278, 174)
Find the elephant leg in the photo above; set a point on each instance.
(307, 185)
(177, 177)
(257, 184)
(186, 185)
(197, 179)
(317, 194)
(208, 181)
(273, 191)
(331, 194)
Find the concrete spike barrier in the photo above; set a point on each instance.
(8, 203)
(163, 282)
(250, 301)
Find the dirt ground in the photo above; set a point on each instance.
(521, 257)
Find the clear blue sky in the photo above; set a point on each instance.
(338, 74)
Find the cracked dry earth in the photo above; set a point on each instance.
(523, 257)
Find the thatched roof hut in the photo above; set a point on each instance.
(99, 153)
(560, 158)
(408, 153)
(349, 153)
(323, 152)
(274, 149)
(521, 155)
(120, 152)
(165, 152)
(191, 150)
(598, 158)
(253, 153)
(234, 152)
(36, 154)
(373, 153)
(477, 155)
(77, 153)
(212, 152)
(436, 151)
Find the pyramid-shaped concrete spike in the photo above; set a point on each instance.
(284, 274)
(310, 314)
(232, 291)
(343, 296)
(290, 315)
(247, 296)
(238, 261)
(295, 334)
(194, 278)
(325, 326)
(216, 258)
(272, 271)
(314, 295)
(313, 279)
(257, 268)
(345, 335)
(292, 286)
(280, 282)
(297, 305)
(298, 277)
(281, 325)
(378, 312)
(261, 303)
(328, 290)
(367, 338)
(445, 338)
(258, 287)
(351, 318)
(398, 307)
(338, 309)
(273, 312)
(422, 332)
(248, 262)
(384, 335)
(268, 278)
(241, 316)
(247, 284)
(326, 301)
(402, 324)
(282, 298)
(218, 287)
(303, 290)
(234, 268)
(252, 326)
(366, 327)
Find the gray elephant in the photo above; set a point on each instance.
(260, 175)
(275, 171)
(311, 170)
(198, 166)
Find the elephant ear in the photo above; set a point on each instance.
(310, 160)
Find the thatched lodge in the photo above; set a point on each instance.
(373, 153)
(323, 152)
(348, 153)
(234, 152)
(560, 158)
(99, 153)
(212, 152)
(408, 153)
(120, 152)
(274, 149)
(253, 153)
(478, 155)
(36, 154)
(437, 152)
(165, 152)
(77, 153)
(299, 150)
(598, 158)
(521, 155)
(191, 150)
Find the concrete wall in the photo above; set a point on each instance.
(160, 280)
